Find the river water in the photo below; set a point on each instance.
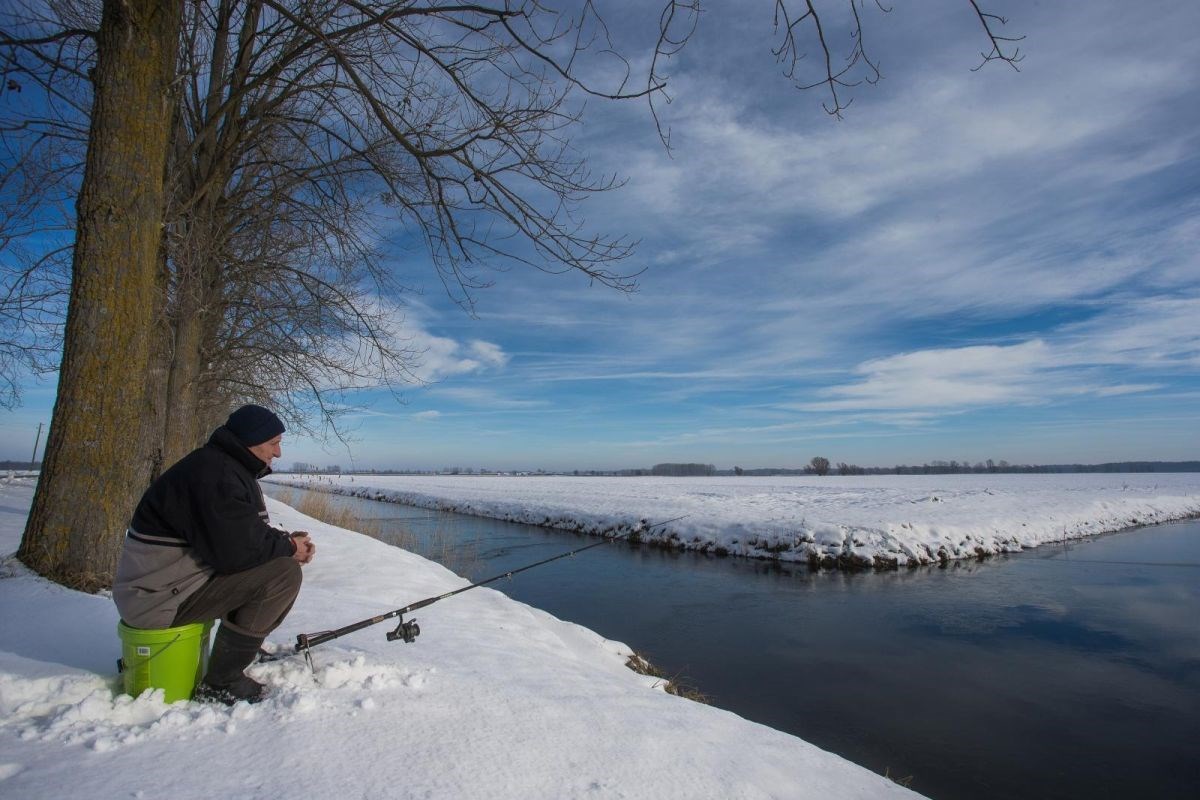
(1061, 672)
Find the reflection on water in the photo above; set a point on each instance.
(1056, 673)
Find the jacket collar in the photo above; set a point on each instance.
(224, 440)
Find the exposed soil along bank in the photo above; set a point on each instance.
(912, 527)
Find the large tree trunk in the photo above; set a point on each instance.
(182, 432)
(105, 431)
(194, 336)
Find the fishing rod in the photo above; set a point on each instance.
(408, 631)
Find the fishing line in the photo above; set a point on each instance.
(409, 631)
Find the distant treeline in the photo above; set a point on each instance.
(682, 470)
(932, 468)
(980, 468)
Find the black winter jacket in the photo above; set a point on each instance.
(204, 515)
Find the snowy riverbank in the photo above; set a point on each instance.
(496, 700)
(848, 521)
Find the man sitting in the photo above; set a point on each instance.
(200, 547)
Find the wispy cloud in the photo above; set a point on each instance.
(488, 399)
(1144, 336)
(946, 378)
(437, 358)
(1153, 333)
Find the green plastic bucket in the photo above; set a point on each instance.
(171, 659)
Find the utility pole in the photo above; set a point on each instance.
(36, 442)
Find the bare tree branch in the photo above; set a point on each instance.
(837, 73)
(997, 53)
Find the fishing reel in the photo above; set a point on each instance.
(407, 631)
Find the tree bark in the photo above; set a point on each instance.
(195, 333)
(105, 431)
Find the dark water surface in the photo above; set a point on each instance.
(1055, 673)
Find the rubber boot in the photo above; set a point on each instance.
(225, 682)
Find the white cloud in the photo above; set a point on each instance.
(491, 400)
(1127, 388)
(944, 378)
(439, 357)
(487, 353)
(1075, 360)
(1153, 333)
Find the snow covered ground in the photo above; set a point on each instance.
(880, 520)
(495, 700)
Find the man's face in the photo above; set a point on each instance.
(268, 451)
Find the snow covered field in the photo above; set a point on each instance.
(880, 520)
(495, 700)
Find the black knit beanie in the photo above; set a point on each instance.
(254, 425)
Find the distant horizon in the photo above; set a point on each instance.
(939, 466)
(11, 460)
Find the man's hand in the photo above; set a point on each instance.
(305, 549)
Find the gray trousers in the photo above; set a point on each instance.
(252, 602)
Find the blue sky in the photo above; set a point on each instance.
(969, 265)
